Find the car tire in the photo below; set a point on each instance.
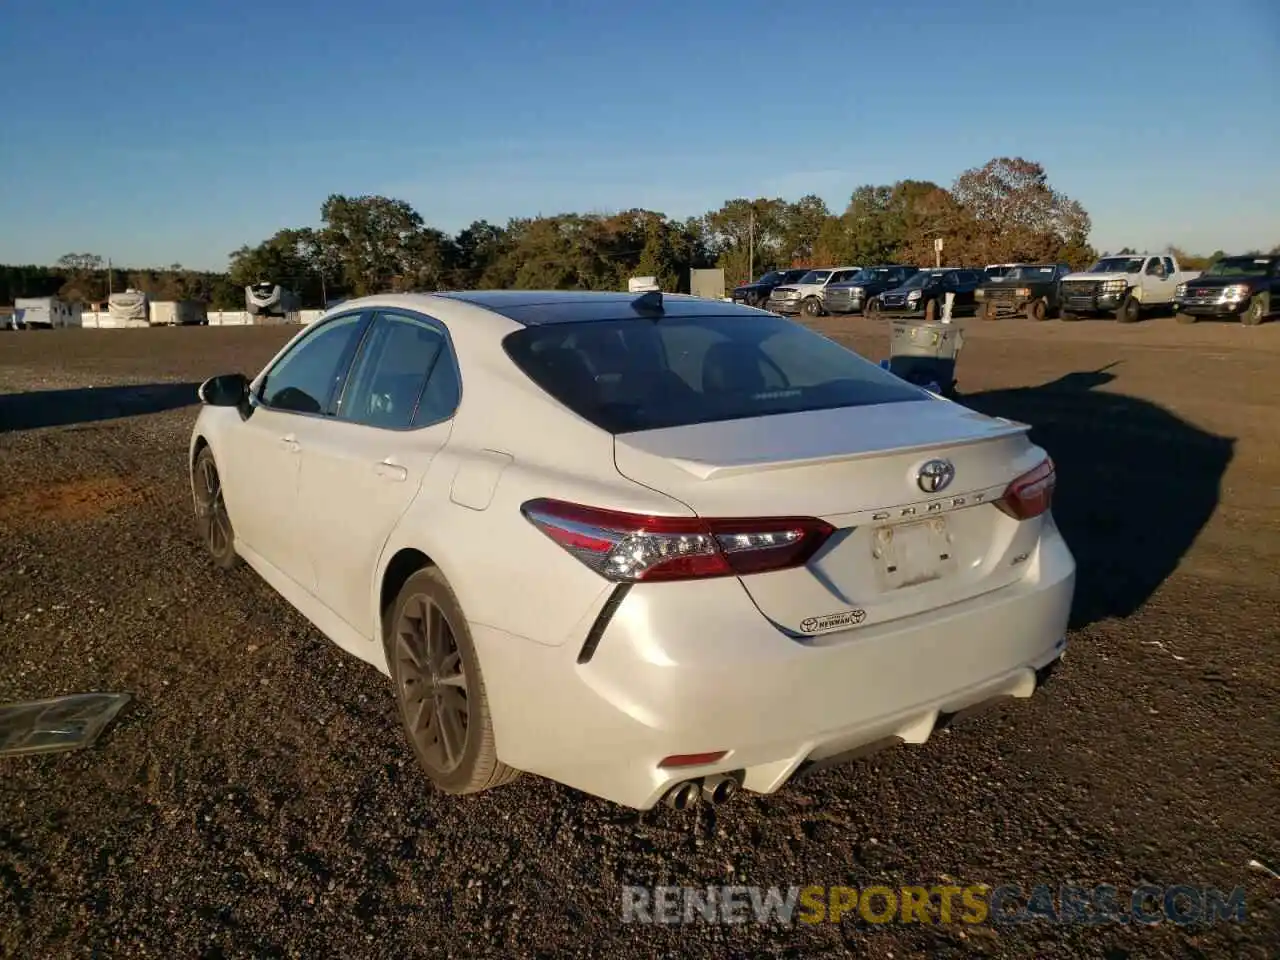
(1256, 312)
(1185, 317)
(812, 307)
(872, 308)
(1038, 311)
(1067, 315)
(213, 522)
(430, 656)
(1130, 311)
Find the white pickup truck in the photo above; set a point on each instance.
(1124, 286)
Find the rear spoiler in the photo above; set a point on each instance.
(704, 470)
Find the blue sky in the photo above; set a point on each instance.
(154, 131)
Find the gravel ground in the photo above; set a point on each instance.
(255, 798)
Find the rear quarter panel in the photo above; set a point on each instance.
(505, 572)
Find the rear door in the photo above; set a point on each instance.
(362, 469)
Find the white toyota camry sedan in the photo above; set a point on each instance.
(652, 547)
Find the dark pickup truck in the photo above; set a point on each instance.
(755, 294)
(1244, 287)
(924, 293)
(861, 293)
(1033, 290)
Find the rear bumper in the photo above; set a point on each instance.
(687, 668)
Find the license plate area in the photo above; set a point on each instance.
(907, 554)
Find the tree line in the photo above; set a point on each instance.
(1004, 211)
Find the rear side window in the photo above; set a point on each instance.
(629, 375)
(391, 385)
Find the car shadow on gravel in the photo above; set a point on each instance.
(1135, 483)
(59, 408)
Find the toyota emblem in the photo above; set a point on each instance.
(935, 475)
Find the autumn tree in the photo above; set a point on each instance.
(801, 225)
(478, 249)
(868, 232)
(746, 236)
(285, 258)
(1018, 216)
(378, 241)
(85, 278)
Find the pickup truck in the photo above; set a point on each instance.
(1124, 286)
(1033, 290)
(806, 294)
(1245, 287)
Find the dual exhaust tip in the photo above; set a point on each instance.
(715, 789)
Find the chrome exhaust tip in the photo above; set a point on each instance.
(719, 788)
(682, 796)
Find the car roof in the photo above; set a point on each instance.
(535, 307)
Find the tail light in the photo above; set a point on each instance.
(629, 547)
(1031, 494)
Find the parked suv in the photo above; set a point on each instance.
(755, 294)
(924, 293)
(1030, 289)
(1244, 287)
(806, 295)
(861, 292)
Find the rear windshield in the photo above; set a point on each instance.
(638, 374)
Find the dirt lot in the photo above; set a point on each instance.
(255, 799)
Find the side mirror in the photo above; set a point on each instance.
(227, 390)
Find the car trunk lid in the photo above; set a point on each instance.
(900, 548)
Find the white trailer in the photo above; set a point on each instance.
(176, 313)
(46, 312)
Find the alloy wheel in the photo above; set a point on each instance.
(217, 524)
(432, 684)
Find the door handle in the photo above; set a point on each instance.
(289, 443)
(391, 471)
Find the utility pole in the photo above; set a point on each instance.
(751, 245)
(109, 290)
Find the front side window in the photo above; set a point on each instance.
(391, 383)
(631, 375)
(304, 379)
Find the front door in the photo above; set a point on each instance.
(1158, 281)
(261, 483)
(361, 471)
